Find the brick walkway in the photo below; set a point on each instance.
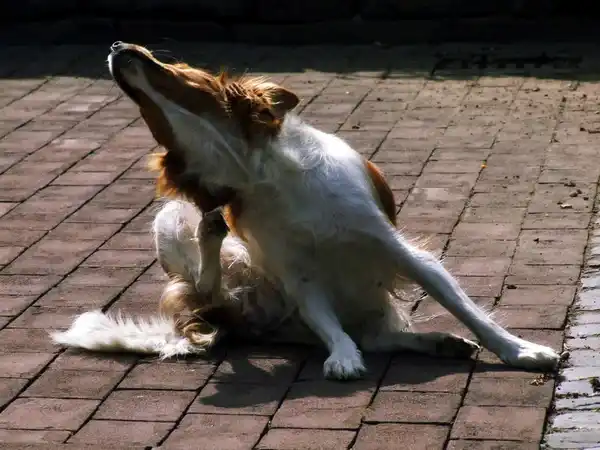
(499, 167)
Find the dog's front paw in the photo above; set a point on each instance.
(528, 355)
(344, 364)
(213, 224)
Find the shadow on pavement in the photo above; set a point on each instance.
(451, 61)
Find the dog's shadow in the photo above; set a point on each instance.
(257, 381)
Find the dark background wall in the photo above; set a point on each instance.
(298, 21)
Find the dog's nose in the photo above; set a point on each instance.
(116, 45)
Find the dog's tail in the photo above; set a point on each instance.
(165, 333)
(97, 331)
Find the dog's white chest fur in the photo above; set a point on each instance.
(314, 216)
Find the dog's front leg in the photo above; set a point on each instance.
(345, 360)
(426, 270)
(210, 233)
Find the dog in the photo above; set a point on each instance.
(276, 230)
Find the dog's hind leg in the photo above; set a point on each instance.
(391, 332)
(423, 268)
(434, 344)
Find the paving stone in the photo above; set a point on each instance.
(481, 248)
(556, 221)
(222, 431)
(110, 362)
(426, 374)
(573, 439)
(83, 231)
(120, 258)
(46, 318)
(481, 286)
(307, 439)
(23, 365)
(129, 241)
(589, 358)
(26, 284)
(496, 422)
(257, 370)
(477, 266)
(27, 340)
(84, 178)
(73, 384)
(585, 317)
(122, 432)
(493, 215)
(384, 436)
(582, 331)
(9, 389)
(582, 420)
(47, 413)
(228, 398)
(87, 276)
(85, 297)
(56, 257)
(508, 392)
(543, 274)
(459, 444)
(12, 306)
(532, 316)
(33, 436)
(145, 405)
(92, 213)
(487, 230)
(537, 295)
(574, 389)
(324, 404)
(417, 407)
(176, 376)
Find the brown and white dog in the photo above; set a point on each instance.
(312, 251)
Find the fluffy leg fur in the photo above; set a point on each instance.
(178, 230)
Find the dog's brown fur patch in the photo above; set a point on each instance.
(383, 190)
(173, 182)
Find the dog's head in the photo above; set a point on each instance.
(209, 125)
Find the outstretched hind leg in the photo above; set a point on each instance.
(426, 270)
(392, 333)
(433, 344)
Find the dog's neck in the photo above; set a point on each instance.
(175, 180)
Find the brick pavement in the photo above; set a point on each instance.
(498, 167)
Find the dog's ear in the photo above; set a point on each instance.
(259, 105)
(282, 100)
(383, 191)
